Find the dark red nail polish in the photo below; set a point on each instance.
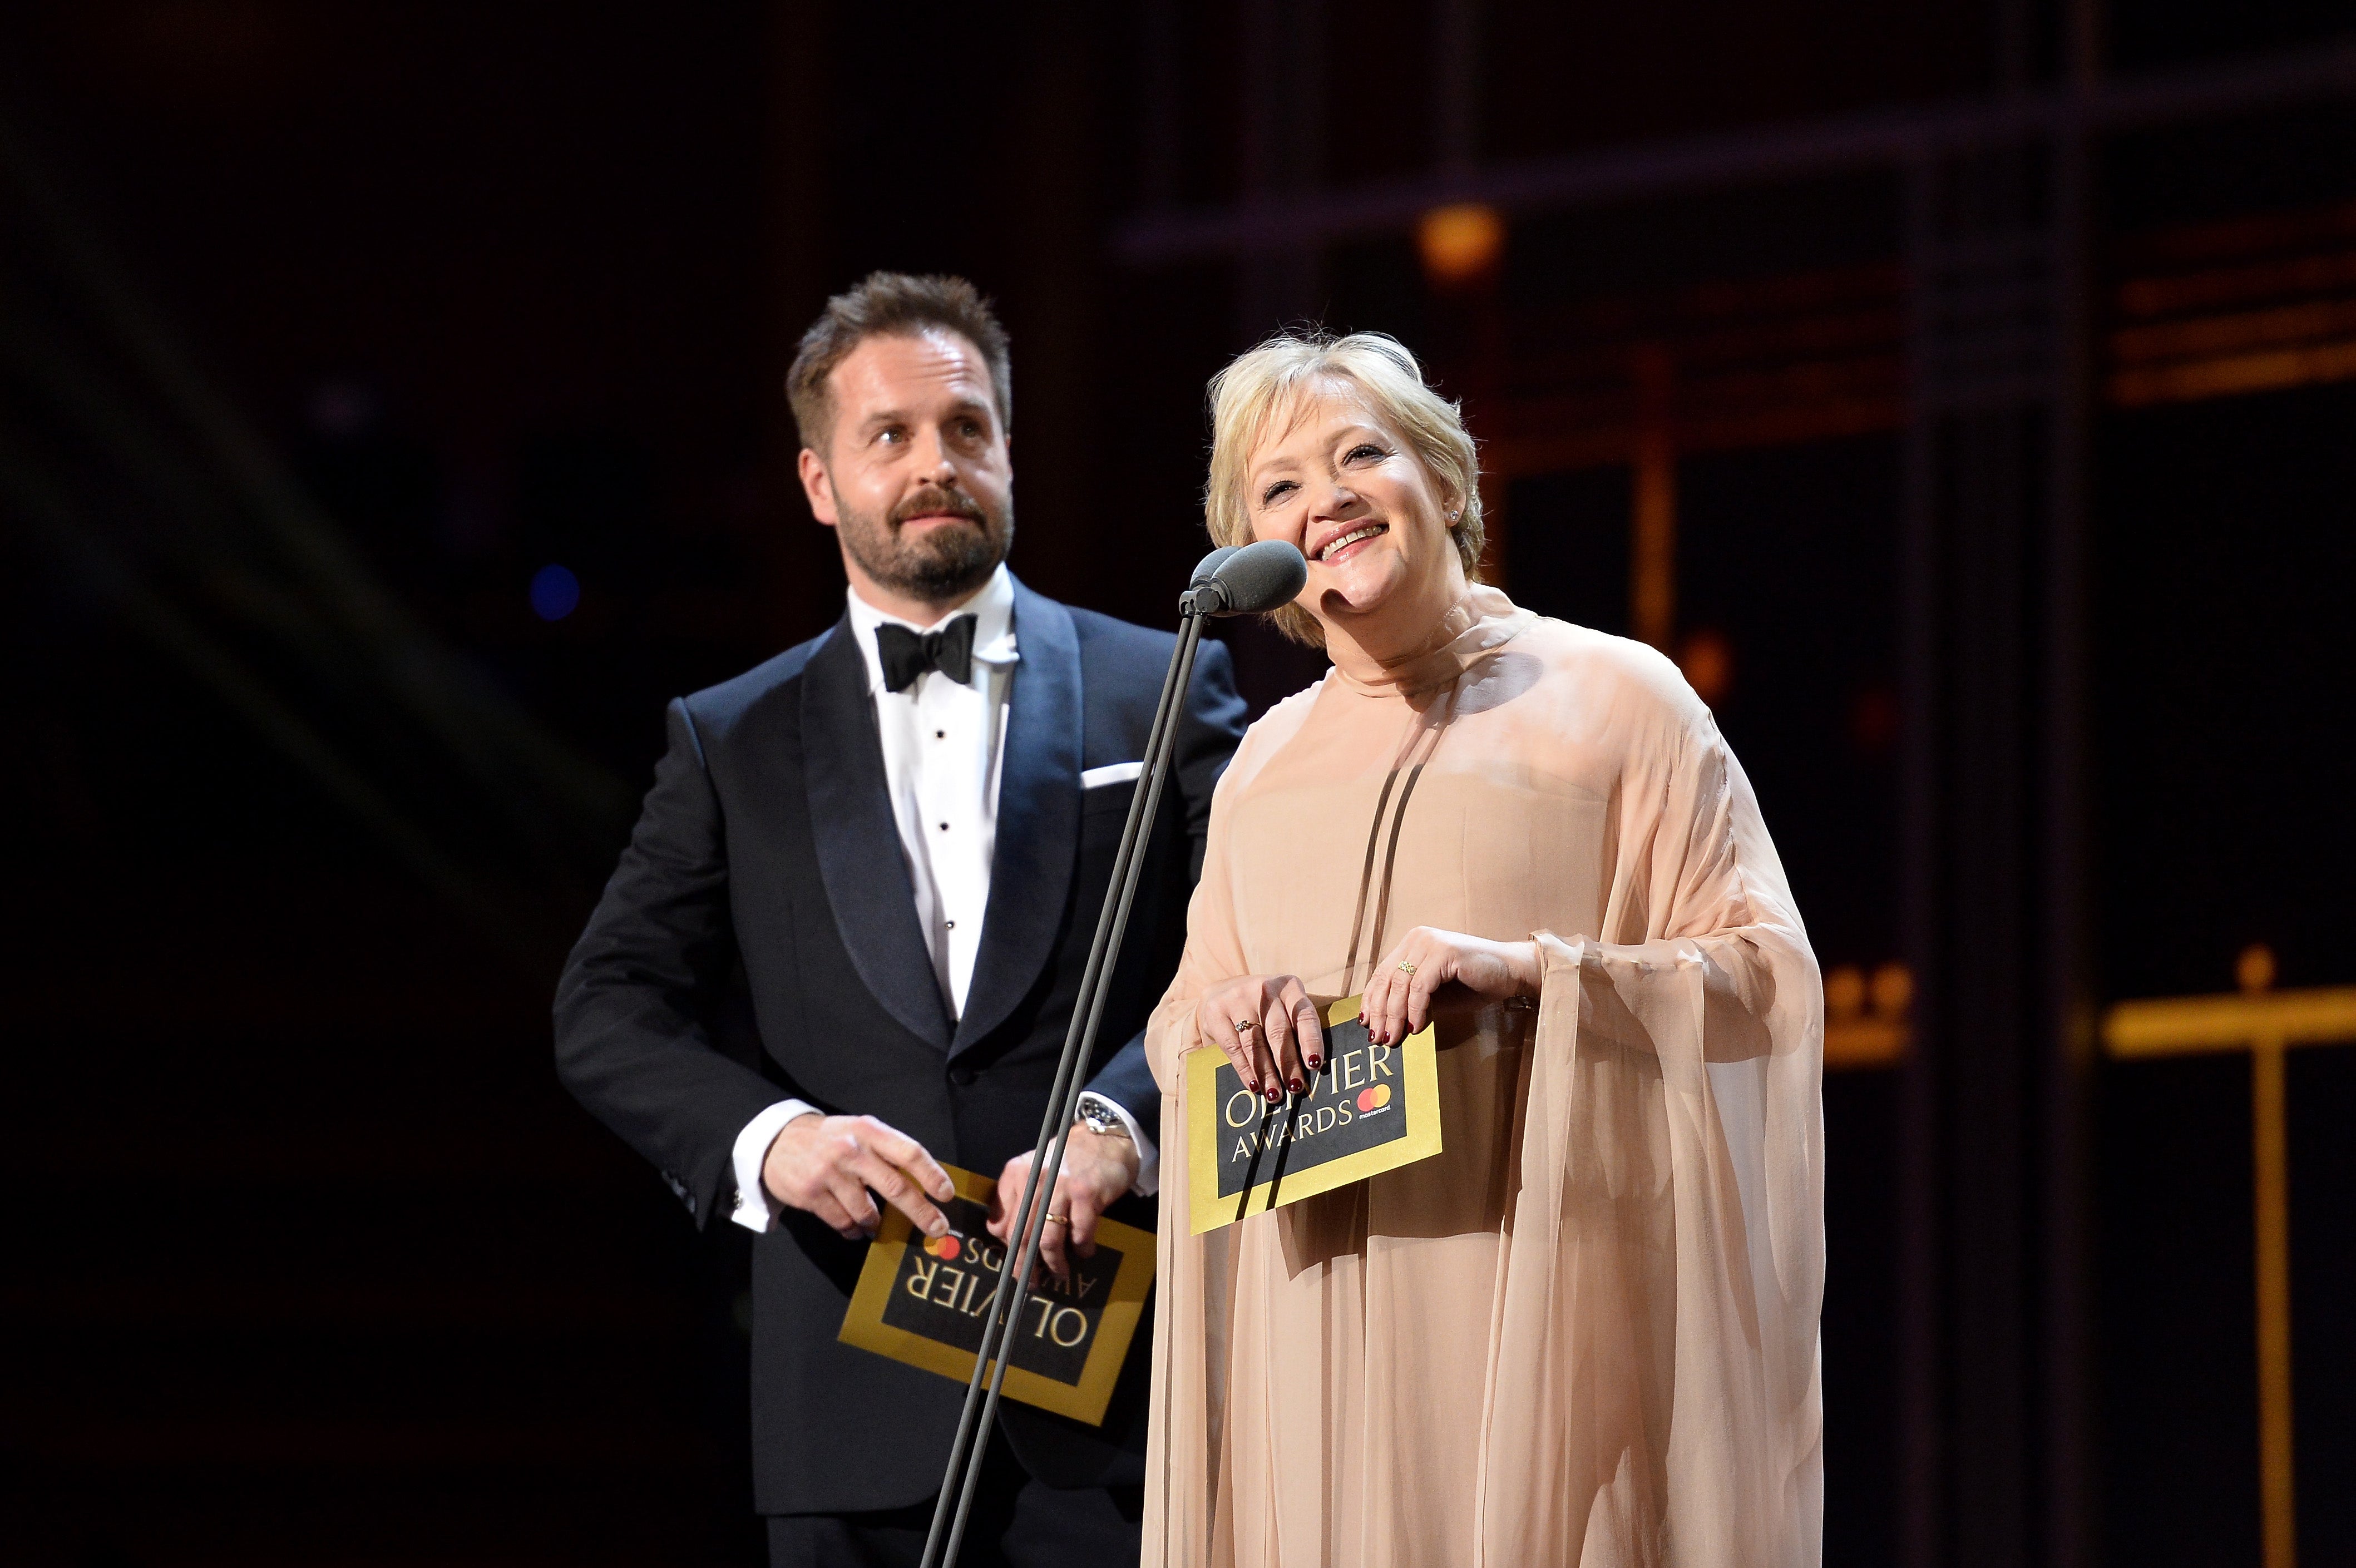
(1316, 1064)
(1296, 1085)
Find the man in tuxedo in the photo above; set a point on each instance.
(894, 840)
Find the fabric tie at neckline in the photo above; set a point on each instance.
(906, 655)
(1481, 622)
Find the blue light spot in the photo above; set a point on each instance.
(555, 593)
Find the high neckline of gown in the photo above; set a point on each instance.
(1477, 625)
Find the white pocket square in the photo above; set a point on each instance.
(1111, 773)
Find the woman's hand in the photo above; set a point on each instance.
(1268, 1027)
(1398, 998)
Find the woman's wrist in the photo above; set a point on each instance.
(1529, 972)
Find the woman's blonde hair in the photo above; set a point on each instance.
(1259, 386)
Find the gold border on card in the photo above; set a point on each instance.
(1207, 1210)
(863, 1325)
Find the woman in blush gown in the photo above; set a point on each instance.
(1586, 1331)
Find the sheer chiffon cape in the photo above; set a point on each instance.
(1586, 1332)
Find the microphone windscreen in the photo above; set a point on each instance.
(1209, 566)
(1261, 577)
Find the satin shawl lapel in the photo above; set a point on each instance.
(859, 853)
(1038, 817)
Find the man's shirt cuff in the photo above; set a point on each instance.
(754, 1207)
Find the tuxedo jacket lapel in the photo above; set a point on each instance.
(858, 842)
(1038, 817)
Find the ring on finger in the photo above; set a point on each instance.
(1059, 1219)
(1405, 967)
(1245, 1025)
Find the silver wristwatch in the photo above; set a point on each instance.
(1102, 1117)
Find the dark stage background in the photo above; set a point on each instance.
(1966, 393)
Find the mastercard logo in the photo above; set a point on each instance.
(1373, 1098)
(945, 1248)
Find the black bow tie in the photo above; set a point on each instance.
(907, 655)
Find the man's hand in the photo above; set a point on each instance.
(1097, 1170)
(828, 1165)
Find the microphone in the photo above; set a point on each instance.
(1209, 566)
(1255, 578)
(1228, 581)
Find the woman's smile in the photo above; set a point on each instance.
(1343, 546)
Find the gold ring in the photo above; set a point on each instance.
(1059, 1219)
(1244, 1026)
(1405, 967)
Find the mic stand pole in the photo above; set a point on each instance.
(1063, 1100)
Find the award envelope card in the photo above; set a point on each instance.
(924, 1302)
(1372, 1108)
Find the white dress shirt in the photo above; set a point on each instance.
(944, 747)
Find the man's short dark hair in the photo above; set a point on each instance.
(892, 304)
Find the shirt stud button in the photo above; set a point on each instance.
(940, 734)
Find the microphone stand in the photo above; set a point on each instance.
(1200, 601)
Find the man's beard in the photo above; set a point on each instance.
(947, 561)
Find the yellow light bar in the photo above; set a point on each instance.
(2177, 1025)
